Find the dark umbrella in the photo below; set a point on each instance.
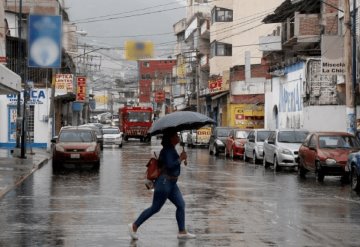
(180, 120)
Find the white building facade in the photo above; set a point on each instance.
(37, 125)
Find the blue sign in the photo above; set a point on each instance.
(44, 41)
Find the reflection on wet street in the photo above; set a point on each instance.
(228, 203)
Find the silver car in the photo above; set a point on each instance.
(281, 148)
(254, 145)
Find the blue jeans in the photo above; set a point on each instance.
(165, 189)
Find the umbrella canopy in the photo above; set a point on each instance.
(180, 120)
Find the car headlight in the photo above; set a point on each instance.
(60, 148)
(91, 148)
(330, 162)
(218, 142)
(286, 151)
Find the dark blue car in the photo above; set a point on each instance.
(353, 164)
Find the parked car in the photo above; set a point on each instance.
(353, 167)
(112, 136)
(99, 133)
(217, 140)
(234, 145)
(326, 154)
(199, 137)
(75, 145)
(281, 148)
(254, 145)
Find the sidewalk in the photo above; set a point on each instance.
(13, 170)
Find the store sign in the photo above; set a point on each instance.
(215, 85)
(44, 41)
(37, 97)
(81, 88)
(332, 55)
(63, 84)
(160, 96)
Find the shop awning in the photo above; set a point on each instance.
(219, 95)
(10, 82)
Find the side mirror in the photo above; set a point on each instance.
(252, 140)
(271, 142)
(53, 140)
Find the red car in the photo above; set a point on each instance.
(235, 143)
(326, 154)
(75, 145)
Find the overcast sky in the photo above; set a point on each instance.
(149, 24)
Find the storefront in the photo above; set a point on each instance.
(37, 118)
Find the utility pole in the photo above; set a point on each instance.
(350, 106)
(197, 80)
(354, 58)
(18, 106)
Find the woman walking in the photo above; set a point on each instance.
(165, 187)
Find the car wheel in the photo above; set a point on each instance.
(301, 170)
(120, 145)
(276, 164)
(56, 166)
(319, 174)
(265, 163)
(215, 151)
(355, 185)
(96, 165)
(246, 158)
(255, 159)
(210, 151)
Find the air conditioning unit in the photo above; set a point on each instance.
(45, 118)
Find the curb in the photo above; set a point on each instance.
(8, 188)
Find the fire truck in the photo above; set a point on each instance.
(135, 122)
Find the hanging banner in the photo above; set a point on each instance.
(44, 41)
(81, 88)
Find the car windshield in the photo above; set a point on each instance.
(262, 135)
(111, 131)
(223, 132)
(76, 136)
(241, 134)
(139, 116)
(338, 142)
(292, 136)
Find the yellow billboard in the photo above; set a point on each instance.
(181, 70)
(135, 50)
(246, 116)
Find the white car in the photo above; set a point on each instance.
(254, 145)
(281, 148)
(112, 136)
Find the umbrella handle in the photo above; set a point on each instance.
(185, 161)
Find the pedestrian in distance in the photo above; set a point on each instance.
(165, 187)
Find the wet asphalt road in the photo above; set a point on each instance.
(228, 203)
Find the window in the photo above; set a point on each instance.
(221, 15)
(220, 49)
(146, 64)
